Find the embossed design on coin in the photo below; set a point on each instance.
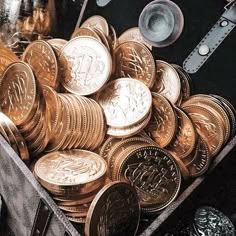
(134, 60)
(133, 34)
(41, 57)
(114, 211)
(167, 82)
(18, 92)
(70, 168)
(125, 102)
(154, 174)
(89, 65)
(209, 221)
(163, 124)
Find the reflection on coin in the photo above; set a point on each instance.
(134, 60)
(89, 65)
(154, 174)
(133, 34)
(114, 211)
(163, 125)
(18, 92)
(125, 102)
(167, 82)
(41, 57)
(96, 22)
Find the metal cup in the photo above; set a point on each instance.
(161, 23)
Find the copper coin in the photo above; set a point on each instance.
(133, 34)
(85, 32)
(57, 43)
(125, 102)
(103, 39)
(79, 208)
(79, 220)
(114, 211)
(41, 57)
(129, 131)
(185, 140)
(134, 60)
(18, 92)
(89, 65)
(96, 22)
(76, 214)
(87, 200)
(201, 163)
(74, 168)
(167, 81)
(154, 174)
(163, 124)
(113, 36)
(208, 125)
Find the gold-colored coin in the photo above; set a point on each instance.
(94, 68)
(41, 57)
(125, 102)
(119, 198)
(84, 168)
(107, 146)
(133, 34)
(134, 60)
(167, 82)
(163, 124)
(79, 220)
(208, 125)
(96, 22)
(18, 92)
(85, 32)
(185, 139)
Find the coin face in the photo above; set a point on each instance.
(41, 57)
(96, 22)
(185, 140)
(18, 92)
(85, 32)
(125, 102)
(89, 65)
(70, 168)
(167, 82)
(210, 221)
(163, 124)
(114, 211)
(208, 126)
(154, 174)
(135, 61)
(133, 34)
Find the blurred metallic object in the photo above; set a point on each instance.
(161, 23)
(22, 21)
(102, 3)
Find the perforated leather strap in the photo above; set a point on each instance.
(42, 219)
(212, 40)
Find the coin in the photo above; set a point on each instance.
(74, 168)
(107, 145)
(89, 65)
(18, 92)
(163, 124)
(200, 165)
(96, 22)
(79, 208)
(76, 214)
(113, 36)
(133, 34)
(114, 211)
(167, 82)
(80, 220)
(57, 43)
(85, 32)
(41, 57)
(154, 174)
(208, 126)
(185, 139)
(134, 60)
(125, 102)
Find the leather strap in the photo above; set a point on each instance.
(42, 219)
(212, 40)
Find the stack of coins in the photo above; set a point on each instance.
(73, 178)
(127, 106)
(21, 99)
(12, 135)
(76, 121)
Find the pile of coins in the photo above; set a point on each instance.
(12, 135)
(73, 178)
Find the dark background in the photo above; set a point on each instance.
(217, 76)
